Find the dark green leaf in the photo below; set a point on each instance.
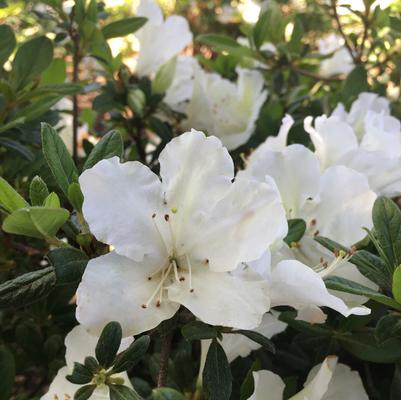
(295, 43)
(347, 286)
(7, 372)
(18, 147)
(396, 286)
(222, 43)
(24, 70)
(296, 229)
(388, 327)
(7, 43)
(132, 355)
(395, 393)
(261, 29)
(217, 378)
(27, 288)
(10, 199)
(167, 394)
(59, 160)
(75, 196)
(38, 191)
(91, 364)
(84, 392)
(356, 82)
(109, 146)
(120, 392)
(108, 344)
(80, 374)
(248, 386)
(387, 229)
(198, 330)
(123, 27)
(69, 265)
(331, 244)
(365, 347)
(258, 338)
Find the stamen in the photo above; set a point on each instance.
(190, 273)
(158, 231)
(159, 287)
(167, 219)
(175, 267)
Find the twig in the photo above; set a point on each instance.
(318, 77)
(164, 357)
(342, 33)
(365, 33)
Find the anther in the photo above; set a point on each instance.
(191, 290)
(149, 278)
(144, 306)
(166, 217)
(182, 279)
(313, 222)
(154, 215)
(158, 303)
(316, 233)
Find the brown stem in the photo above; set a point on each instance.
(365, 33)
(164, 357)
(341, 31)
(312, 75)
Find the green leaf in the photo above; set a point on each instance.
(331, 244)
(37, 222)
(388, 327)
(27, 288)
(258, 338)
(365, 347)
(7, 43)
(295, 43)
(387, 229)
(84, 392)
(123, 27)
(10, 199)
(108, 344)
(198, 330)
(91, 364)
(110, 145)
(75, 196)
(248, 385)
(356, 82)
(261, 30)
(132, 355)
(52, 201)
(7, 370)
(167, 394)
(347, 286)
(120, 392)
(396, 286)
(80, 374)
(38, 191)
(164, 76)
(56, 72)
(58, 159)
(69, 265)
(36, 109)
(296, 230)
(217, 378)
(32, 58)
(24, 151)
(221, 43)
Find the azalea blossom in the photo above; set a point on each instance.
(327, 381)
(226, 109)
(366, 139)
(159, 39)
(176, 240)
(335, 203)
(340, 61)
(79, 345)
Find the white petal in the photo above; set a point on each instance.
(113, 288)
(297, 285)
(150, 10)
(222, 299)
(295, 184)
(196, 172)
(119, 202)
(242, 225)
(236, 345)
(317, 387)
(80, 344)
(345, 205)
(345, 384)
(331, 137)
(266, 382)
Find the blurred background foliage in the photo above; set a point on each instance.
(80, 77)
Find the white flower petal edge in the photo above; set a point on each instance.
(80, 344)
(296, 285)
(179, 240)
(327, 381)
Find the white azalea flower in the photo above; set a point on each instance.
(224, 108)
(327, 381)
(176, 240)
(160, 40)
(367, 139)
(79, 345)
(340, 62)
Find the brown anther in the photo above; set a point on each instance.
(207, 261)
(321, 260)
(182, 279)
(353, 250)
(158, 304)
(167, 217)
(191, 290)
(316, 233)
(144, 306)
(313, 222)
(325, 264)
(149, 278)
(154, 215)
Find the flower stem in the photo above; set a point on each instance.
(164, 357)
